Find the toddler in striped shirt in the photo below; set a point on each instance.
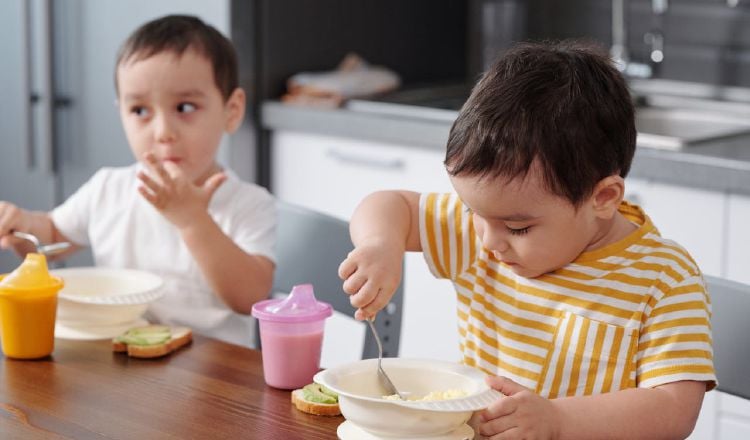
(591, 323)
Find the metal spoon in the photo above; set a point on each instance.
(46, 249)
(385, 381)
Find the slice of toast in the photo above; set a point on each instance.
(152, 341)
(311, 407)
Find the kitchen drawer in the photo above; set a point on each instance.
(333, 174)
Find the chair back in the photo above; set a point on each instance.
(310, 246)
(730, 323)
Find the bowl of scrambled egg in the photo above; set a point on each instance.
(440, 396)
(97, 296)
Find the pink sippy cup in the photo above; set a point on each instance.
(291, 336)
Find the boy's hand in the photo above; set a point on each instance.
(371, 273)
(12, 218)
(178, 199)
(521, 414)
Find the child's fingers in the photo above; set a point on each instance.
(149, 182)
(149, 196)
(360, 315)
(347, 268)
(159, 170)
(367, 299)
(9, 215)
(213, 183)
(353, 284)
(502, 407)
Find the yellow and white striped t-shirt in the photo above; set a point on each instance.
(634, 313)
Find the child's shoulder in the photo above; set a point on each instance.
(238, 188)
(671, 257)
(236, 196)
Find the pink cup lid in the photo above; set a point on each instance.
(299, 306)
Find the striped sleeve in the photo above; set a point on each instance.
(675, 342)
(447, 235)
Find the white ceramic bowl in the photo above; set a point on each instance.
(102, 296)
(361, 396)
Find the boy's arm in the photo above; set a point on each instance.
(390, 216)
(37, 223)
(667, 411)
(383, 227)
(238, 278)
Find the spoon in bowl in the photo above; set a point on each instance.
(44, 249)
(385, 381)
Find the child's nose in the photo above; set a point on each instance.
(494, 241)
(164, 129)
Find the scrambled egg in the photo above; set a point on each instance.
(434, 395)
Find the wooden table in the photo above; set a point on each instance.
(208, 390)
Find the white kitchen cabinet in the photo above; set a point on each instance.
(733, 418)
(705, 427)
(332, 175)
(738, 246)
(694, 218)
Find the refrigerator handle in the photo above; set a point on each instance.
(47, 102)
(27, 105)
(38, 83)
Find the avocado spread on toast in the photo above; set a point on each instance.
(318, 393)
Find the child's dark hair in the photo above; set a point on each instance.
(178, 33)
(562, 104)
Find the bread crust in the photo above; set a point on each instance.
(181, 336)
(318, 409)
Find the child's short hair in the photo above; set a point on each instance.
(562, 104)
(178, 33)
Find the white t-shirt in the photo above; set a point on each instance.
(125, 231)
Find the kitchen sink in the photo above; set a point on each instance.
(662, 121)
(677, 128)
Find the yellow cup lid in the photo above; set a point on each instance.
(31, 274)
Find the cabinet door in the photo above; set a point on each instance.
(733, 418)
(705, 427)
(333, 175)
(694, 218)
(738, 243)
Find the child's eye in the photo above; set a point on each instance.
(520, 231)
(139, 110)
(185, 107)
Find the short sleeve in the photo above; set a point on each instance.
(73, 217)
(254, 225)
(446, 232)
(675, 342)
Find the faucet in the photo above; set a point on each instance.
(654, 38)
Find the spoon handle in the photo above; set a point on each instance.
(28, 237)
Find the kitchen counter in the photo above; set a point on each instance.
(722, 165)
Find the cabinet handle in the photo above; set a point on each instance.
(370, 162)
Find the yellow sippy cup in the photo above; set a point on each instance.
(28, 305)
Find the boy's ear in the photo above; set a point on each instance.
(608, 194)
(235, 110)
